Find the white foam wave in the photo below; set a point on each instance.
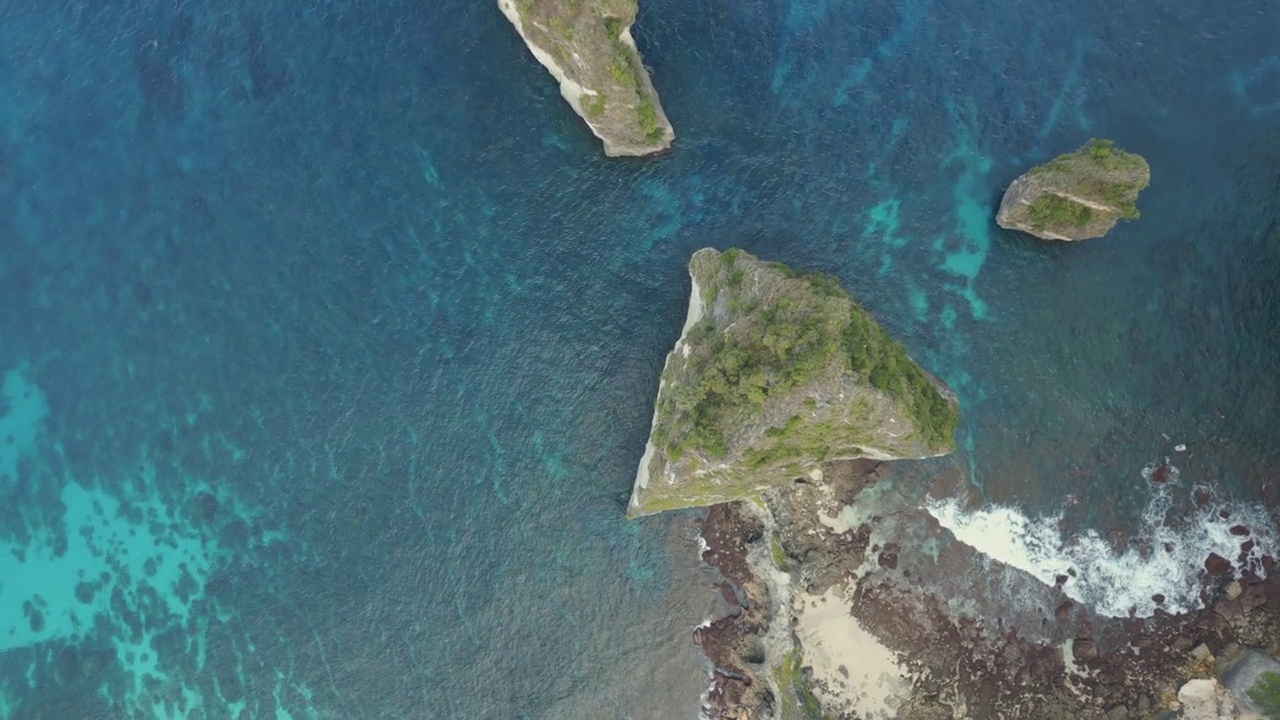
(1159, 558)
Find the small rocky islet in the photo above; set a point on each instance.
(587, 46)
(1077, 195)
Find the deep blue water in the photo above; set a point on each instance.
(328, 336)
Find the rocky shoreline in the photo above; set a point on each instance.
(955, 663)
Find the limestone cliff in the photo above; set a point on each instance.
(1076, 196)
(777, 372)
(587, 46)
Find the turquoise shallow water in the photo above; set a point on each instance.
(329, 338)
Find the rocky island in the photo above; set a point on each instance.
(775, 373)
(587, 46)
(1076, 196)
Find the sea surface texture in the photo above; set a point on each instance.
(329, 336)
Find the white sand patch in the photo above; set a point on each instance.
(837, 523)
(851, 669)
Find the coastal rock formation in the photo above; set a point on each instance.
(1206, 699)
(774, 656)
(777, 372)
(587, 46)
(1076, 196)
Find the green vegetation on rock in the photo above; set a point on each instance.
(780, 559)
(797, 701)
(586, 45)
(1077, 195)
(1054, 211)
(781, 372)
(1266, 693)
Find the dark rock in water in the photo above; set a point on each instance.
(1063, 613)
(1161, 474)
(889, 558)
(142, 293)
(1085, 649)
(1239, 530)
(1217, 566)
(1157, 599)
(1224, 513)
(91, 665)
(205, 506)
(267, 74)
(1060, 580)
(68, 663)
(1272, 594)
(1229, 609)
(1255, 595)
(726, 592)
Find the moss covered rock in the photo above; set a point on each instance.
(1078, 195)
(775, 373)
(587, 46)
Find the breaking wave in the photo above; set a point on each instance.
(1161, 565)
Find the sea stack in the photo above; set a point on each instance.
(587, 47)
(776, 373)
(1078, 195)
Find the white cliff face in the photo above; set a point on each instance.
(1206, 700)
(697, 307)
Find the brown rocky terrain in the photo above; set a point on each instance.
(1073, 666)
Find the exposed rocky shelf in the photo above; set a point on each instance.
(795, 543)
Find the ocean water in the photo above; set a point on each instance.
(328, 336)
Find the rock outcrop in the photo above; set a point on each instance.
(587, 46)
(1245, 673)
(777, 372)
(1206, 699)
(1076, 196)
